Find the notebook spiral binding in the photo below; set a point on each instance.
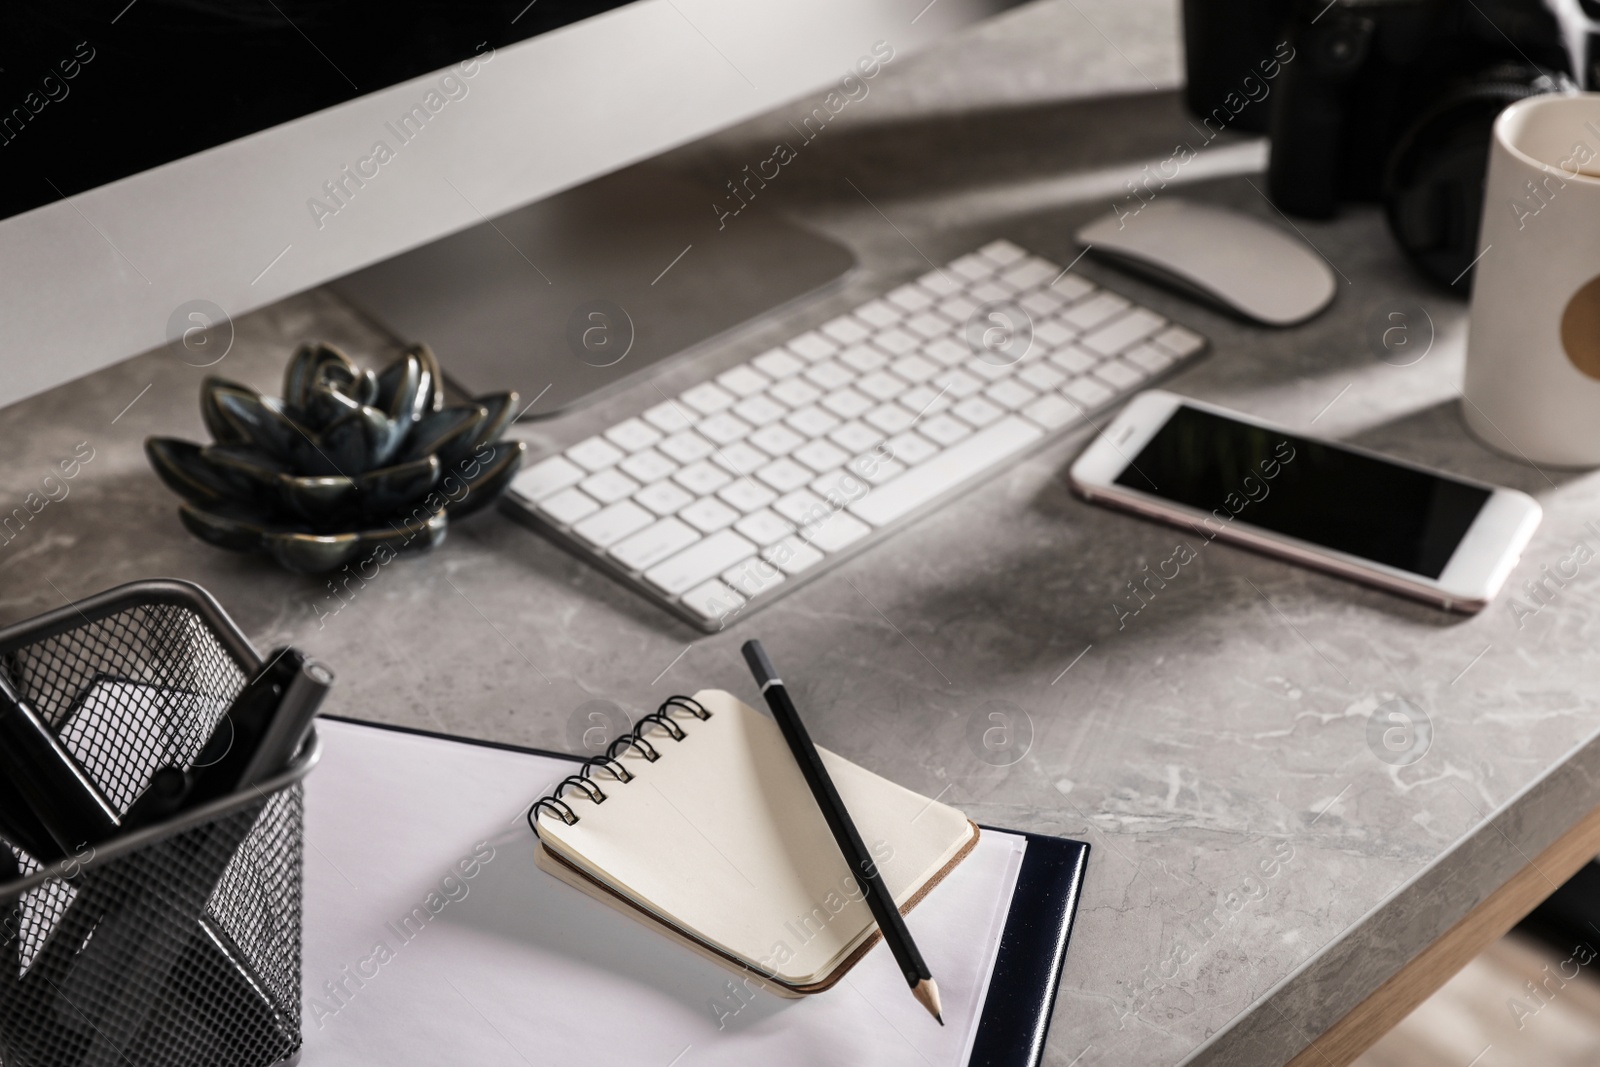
(584, 782)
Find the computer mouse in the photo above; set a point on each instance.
(1219, 255)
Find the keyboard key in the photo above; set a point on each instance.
(1097, 309)
(746, 495)
(1087, 392)
(847, 403)
(1002, 253)
(911, 448)
(812, 346)
(939, 283)
(949, 351)
(568, 506)
(956, 383)
(811, 421)
(855, 437)
(943, 429)
(1149, 357)
(991, 291)
(1041, 376)
(958, 309)
(686, 447)
(1073, 360)
(755, 575)
(707, 398)
(973, 268)
(835, 532)
(784, 475)
(699, 562)
(663, 498)
(863, 358)
(792, 555)
(928, 326)
(1051, 412)
(633, 435)
(668, 417)
(546, 477)
(882, 386)
(609, 486)
(921, 484)
(1010, 395)
(914, 368)
(764, 527)
(909, 298)
(776, 440)
(821, 456)
(830, 375)
(612, 524)
(595, 454)
(795, 392)
(839, 487)
(1042, 303)
(759, 410)
(702, 478)
(802, 507)
(740, 458)
(977, 410)
(1113, 337)
(890, 418)
(743, 381)
(713, 600)
(989, 372)
(1119, 374)
(708, 515)
(654, 544)
(1179, 341)
(1072, 287)
(1052, 334)
(883, 471)
(879, 313)
(722, 428)
(846, 330)
(777, 363)
(895, 341)
(925, 400)
(1030, 273)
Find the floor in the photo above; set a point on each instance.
(1487, 1016)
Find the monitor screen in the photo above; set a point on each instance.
(95, 91)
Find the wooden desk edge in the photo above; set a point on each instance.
(1433, 966)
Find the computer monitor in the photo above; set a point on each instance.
(166, 165)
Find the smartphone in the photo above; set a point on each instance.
(1435, 537)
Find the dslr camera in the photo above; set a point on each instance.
(1389, 101)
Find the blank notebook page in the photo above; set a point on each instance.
(721, 836)
(409, 961)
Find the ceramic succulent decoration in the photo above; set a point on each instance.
(347, 465)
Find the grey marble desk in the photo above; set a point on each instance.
(1258, 869)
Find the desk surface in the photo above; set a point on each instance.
(1258, 869)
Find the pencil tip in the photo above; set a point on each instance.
(940, 1018)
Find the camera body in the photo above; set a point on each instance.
(1395, 100)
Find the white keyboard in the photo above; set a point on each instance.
(739, 489)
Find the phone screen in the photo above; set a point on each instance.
(1310, 490)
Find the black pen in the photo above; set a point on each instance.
(862, 866)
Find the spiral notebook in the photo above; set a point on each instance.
(702, 825)
(431, 936)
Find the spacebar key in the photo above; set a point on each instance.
(699, 562)
(956, 464)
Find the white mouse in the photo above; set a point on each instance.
(1226, 256)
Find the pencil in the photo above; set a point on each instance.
(862, 866)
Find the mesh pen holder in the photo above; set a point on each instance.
(177, 945)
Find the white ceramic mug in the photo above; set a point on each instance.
(1532, 388)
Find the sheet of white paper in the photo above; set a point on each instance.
(431, 937)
